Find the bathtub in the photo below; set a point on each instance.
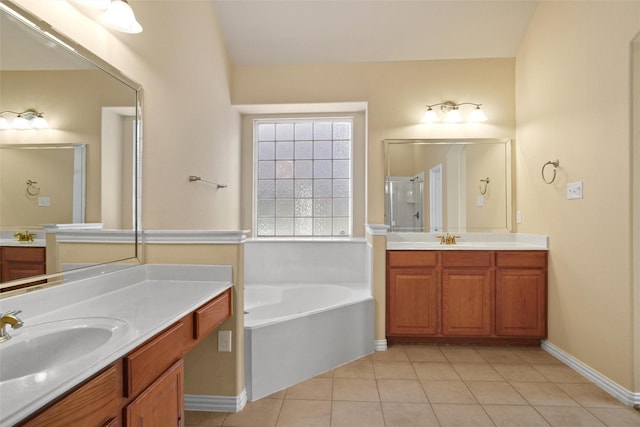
(295, 330)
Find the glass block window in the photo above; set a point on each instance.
(303, 177)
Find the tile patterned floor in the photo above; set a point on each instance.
(416, 385)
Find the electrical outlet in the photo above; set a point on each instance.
(480, 201)
(518, 217)
(224, 341)
(574, 190)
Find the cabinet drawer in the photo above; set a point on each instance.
(211, 315)
(95, 403)
(148, 362)
(22, 254)
(412, 258)
(466, 258)
(522, 259)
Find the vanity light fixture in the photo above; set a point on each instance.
(28, 119)
(451, 112)
(119, 16)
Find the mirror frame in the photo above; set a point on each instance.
(36, 282)
(388, 143)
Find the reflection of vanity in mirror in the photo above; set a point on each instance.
(71, 187)
(448, 185)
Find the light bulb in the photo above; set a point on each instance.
(95, 4)
(39, 122)
(477, 115)
(20, 123)
(430, 116)
(120, 17)
(453, 116)
(4, 124)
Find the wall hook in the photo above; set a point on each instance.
(32, 189)
(555, 166)
(486, 186)
(193, 178)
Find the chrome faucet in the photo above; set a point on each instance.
(9, 318)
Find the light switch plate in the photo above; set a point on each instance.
(44, 201)
(574, 190)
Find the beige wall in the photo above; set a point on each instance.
(573, 100)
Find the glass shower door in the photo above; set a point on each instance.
(404, 203)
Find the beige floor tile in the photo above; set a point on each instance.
(477, 372)
(439, 391)
(394, 370)
(435, 371)
(361, 368)
(461, 415)
(561, 416)
(261, 413)
(327, 374)
(408, 415)
(313, 389)
(544, 394)
(537, 355)
(204, 418)
(617, 417)
(355, 389)
(560, 374)
(461, 354)
(515, 416)
(395, 353)
(495, 393)
(278, 394)
(356, 414)
(305, 413)
(519, 373)
(409, 391)
(499, 355)
(425, 353)
(591, 395)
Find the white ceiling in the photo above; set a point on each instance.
(258, 32)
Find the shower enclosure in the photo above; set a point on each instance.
(404, 203)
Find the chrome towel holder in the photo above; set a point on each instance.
(193, 178)
(555, 166)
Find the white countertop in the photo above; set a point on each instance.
(469, 241)
(148, 298)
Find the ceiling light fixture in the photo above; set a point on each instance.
(28, 119)
(451, 113)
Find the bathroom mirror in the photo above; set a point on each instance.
(82, 207)
(448, 185)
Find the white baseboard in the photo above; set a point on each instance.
(380, 345)
(625, 396)
(198, 402)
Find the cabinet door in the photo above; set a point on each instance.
(413, 301)
(161, 404)
(521, 303)
(467, 307)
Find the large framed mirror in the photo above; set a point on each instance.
(448, 185)
(69, 192)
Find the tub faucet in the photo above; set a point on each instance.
(9, 318)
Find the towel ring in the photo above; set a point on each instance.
(486, 186)
(32, 190)
(555, 166)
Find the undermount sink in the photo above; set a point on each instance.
(35, 349)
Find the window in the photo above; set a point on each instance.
(303, 177)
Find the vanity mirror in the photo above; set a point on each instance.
(448, 185)
(73, 186)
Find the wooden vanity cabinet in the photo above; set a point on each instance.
(145, 387)
(17, 262)
(466, 296)
(413, 298)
